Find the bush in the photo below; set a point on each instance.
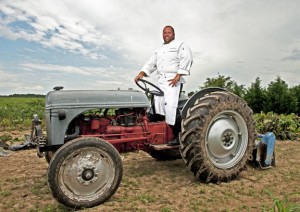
(283, 126)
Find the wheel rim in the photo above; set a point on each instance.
(86, 174)
(226, 139)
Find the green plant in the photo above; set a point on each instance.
(283, 126)
(5, 137)
(17, 112)
(5, 193)
(282, 205)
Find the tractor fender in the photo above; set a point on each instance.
(190, 103)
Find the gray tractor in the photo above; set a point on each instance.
(88, 129)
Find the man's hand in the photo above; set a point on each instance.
(174, 81)
(139, 76)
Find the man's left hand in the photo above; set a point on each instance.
(174, 81)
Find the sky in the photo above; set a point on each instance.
(103, 44)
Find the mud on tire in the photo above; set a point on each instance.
(49, 155)
(218, 137)
(84, 172)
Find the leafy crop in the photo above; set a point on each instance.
(283, 126)
(17, 113)
(283, 205)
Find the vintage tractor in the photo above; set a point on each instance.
(87, 129)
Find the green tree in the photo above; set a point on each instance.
(220, 81)
(239, 90)
(225, 82)
(256, 96)
(296, 92)
(279, 98)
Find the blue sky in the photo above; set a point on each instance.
(102, 44)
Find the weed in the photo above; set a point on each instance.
(165, 210)
(202, 191)
(40, 188)
(283, 205)
(5, 193)
(5, 138)
(147, 198)
(12, 180)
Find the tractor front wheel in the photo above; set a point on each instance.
(49, 155)
(85, 172)
(217, 137)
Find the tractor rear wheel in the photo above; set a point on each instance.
(218, 137)
(84, 172)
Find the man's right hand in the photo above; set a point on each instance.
(139, 76)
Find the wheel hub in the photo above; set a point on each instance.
(222, 137)
(226, 139)
(87, 175)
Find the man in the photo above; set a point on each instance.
(171, 61)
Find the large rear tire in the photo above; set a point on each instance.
(85, 172)
(218, 137)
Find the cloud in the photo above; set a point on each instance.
(264, 35)
(53, 26)
(295, 55)
(10, 83)
(7, 79)
(66, 69)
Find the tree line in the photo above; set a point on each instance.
(277, 97)
(29, 95)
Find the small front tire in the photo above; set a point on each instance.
(85, 172)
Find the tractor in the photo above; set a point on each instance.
(86, 130)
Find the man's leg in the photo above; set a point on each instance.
(176, 128)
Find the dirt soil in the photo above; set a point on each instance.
(150, 185)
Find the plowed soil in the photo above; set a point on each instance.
(150, 185)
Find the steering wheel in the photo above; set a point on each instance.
(156, 92)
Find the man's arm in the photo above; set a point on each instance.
(186, 59)
(148, 68)
(140, 76)
(185, 63)
(175, 80)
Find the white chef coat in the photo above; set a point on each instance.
(170, 59)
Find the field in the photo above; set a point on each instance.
(147, 184)
(150, 185)
(17, 113)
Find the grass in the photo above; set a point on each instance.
(40, 187)
(166, 209)
(146, 198)
(5, 193)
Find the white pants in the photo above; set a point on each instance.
(166, 105)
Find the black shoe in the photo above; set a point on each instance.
(174, 142)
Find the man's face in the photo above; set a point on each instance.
(168, 35)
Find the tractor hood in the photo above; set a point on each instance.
(60, 99)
